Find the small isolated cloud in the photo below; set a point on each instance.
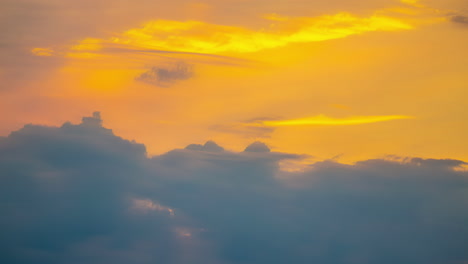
(147, 205)
(43, 52)
(165, 76)
(460, 19)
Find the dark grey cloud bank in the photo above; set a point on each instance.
(80, 194)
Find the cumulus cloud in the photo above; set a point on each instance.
(80, 194)
(65, 198)
(257, 147)
(166, 76)
(210, 146)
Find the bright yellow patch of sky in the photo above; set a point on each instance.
(415, 3)
(201, 37)
(339, 64)
(88, 44)
(322, 120)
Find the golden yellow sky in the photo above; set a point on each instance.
(348, 79)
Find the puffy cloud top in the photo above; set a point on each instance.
(257, 147)
(209, 146)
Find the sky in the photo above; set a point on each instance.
(374, 78)
(233, 131)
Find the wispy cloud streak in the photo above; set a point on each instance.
(322, 120)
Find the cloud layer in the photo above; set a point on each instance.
(80, 194)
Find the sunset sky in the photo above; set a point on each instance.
(365, 78)
(233, 132)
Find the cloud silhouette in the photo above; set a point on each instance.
(257, 147)
(210, 146)
(80, 194)
(66, 194)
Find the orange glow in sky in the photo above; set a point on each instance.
(359, 79)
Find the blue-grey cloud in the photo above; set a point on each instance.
(210, 146)
(257, 147)
(460, 19)
(80, 194)
(165, 76)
